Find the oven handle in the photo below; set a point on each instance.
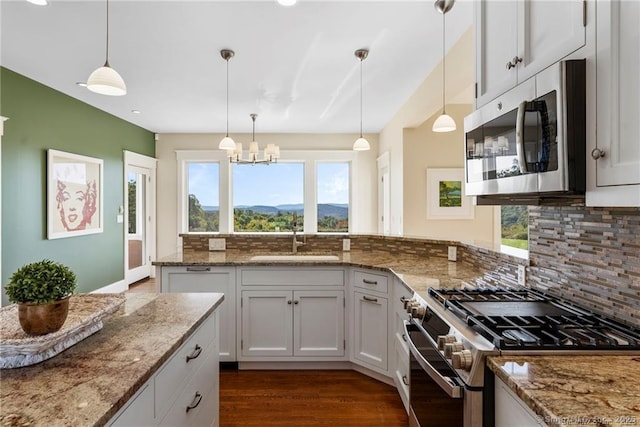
(454, 391)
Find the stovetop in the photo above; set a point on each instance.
(518, 319)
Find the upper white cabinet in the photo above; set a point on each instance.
(615, 160)
(517, 39)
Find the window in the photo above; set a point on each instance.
(333, 197)
(514, 231)
(204, 201)
(265, 198)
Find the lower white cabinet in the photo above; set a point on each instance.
(292, 323)
(370, 330)
(400, 360)
(185, 390)
(510, 410)
(209, 279)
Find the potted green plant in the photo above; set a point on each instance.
(41, 290)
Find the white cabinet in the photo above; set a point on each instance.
(511, 411)
(517, 39)
(292, 323)
(292, 314)
(185, 390)
(617, 170)
(370, 330)
(400, 359)
(209, 279)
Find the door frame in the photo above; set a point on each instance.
(149, 163)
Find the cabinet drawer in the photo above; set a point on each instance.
(178, 370)
(199, 396)
(371, 281)
(292, 277)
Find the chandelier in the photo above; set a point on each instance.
(271, 152)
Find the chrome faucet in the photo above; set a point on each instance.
(294, 228)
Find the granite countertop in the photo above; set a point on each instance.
(88, 383)
(575, 390)
(418, 273)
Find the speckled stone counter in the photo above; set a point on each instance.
(575, 390)
(418, 273)
(88, 383)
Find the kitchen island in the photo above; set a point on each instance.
(89, 383)
(575, 390)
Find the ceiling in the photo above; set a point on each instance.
(294, 66)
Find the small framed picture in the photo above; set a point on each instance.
(445, 195)
(74, 194)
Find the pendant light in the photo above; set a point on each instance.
(105, 80)
(361, 143)
(227, 142)
(444, 123)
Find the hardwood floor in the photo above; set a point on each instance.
(144, 285)
(307, 398)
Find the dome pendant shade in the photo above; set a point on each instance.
(361, 144)
(106, 81)
(444, 123)
(227, 143)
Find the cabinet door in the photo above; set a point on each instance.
(267, 323)
(370, 327)
(496, 44)
(511, 411)
(318, 323)
(209, 279)
(547, 32)
(139, 410)
(618, 94)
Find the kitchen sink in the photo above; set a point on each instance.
(292, 257)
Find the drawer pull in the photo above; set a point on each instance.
(369, 282)
(198, 268)
(404, 338)
(195, 354)
(404, 380)
(195, 402)
(366, 298)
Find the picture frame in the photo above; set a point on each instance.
(445, 195)
(74, 194)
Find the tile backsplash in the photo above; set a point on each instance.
(588, 255)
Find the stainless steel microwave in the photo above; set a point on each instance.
(528, 146)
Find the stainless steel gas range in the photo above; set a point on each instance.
(451, 332)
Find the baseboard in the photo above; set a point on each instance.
(114, 288)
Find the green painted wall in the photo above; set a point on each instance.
(41, 118)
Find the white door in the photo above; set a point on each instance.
(318, 323)
(139, 217)
(267, 323)
(371, 330)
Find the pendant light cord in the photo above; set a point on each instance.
(106, 62)
(360, 97)
(443, 61)
(227, 97)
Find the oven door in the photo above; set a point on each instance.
(436, 392)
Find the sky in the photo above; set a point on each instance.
(272, 185)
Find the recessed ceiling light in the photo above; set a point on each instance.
(135, 111)
(82, 84)
(39, 2)
(287, 2)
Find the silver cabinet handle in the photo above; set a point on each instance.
(198, 268)
(597, 153)
(289, 302)
(404, 380)
(194, 355)
(195, 402)
(369, 282)
(296, 302)
(366, 298)
(404, 337)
